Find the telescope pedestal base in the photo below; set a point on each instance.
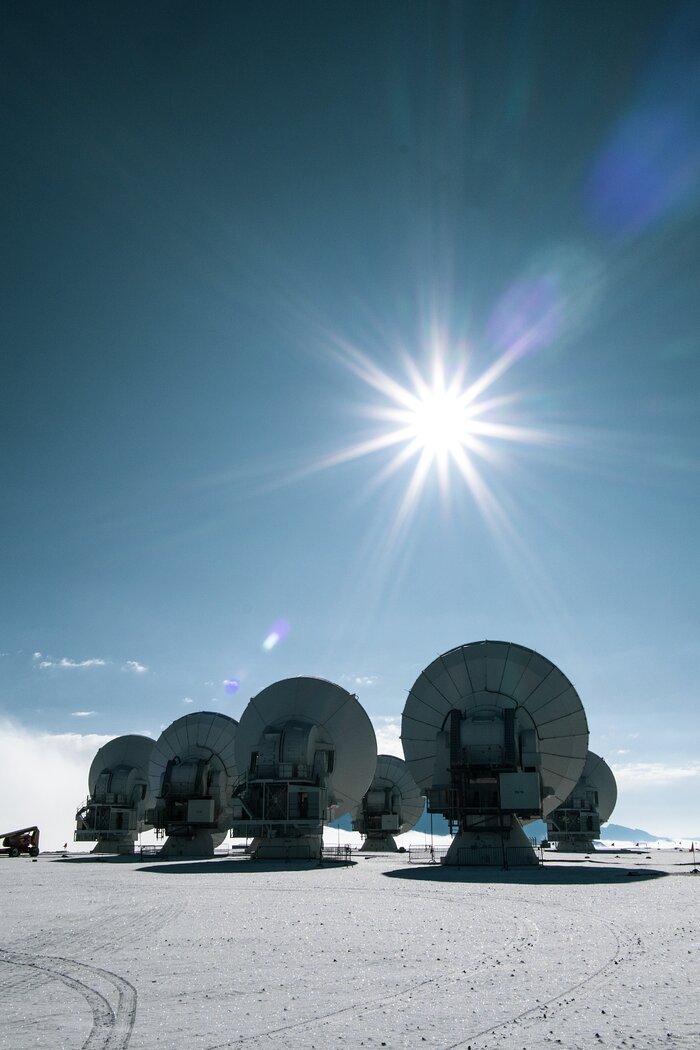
(478, 848)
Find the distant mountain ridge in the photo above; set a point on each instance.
(619, 831)
(536, 829)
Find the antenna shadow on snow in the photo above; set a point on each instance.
(235, 867)
(204, 865)
(569, 875)
(97, 858)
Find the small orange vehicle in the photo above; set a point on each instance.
(26, 840)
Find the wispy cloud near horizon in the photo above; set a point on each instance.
(135, 666)
(65, 662)
(387, 729)
(643, 774)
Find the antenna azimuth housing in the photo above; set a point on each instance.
(191, 776)
(118, 796)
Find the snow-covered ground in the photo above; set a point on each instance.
(206, 955)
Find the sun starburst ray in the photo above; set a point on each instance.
(499, 367)
(493, 404)
(365, 448)
(398, 460)
(373, 376)
(510, 432)
(413, 490)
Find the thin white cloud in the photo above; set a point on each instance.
(388, 732)
(83, 714)
(361, 679)
(187, 700)
(65, 662)
(646, 774)
(135, 666)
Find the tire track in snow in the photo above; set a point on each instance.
(111, 1028)
(556, 1001)
(110, 935)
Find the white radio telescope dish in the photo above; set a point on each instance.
(114, 813)
(191, 776)
(494, 733)
(391, 805)
(306, 751)
(576, 822)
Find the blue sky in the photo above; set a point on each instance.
(228, 230)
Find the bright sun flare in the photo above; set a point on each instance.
(440, 423)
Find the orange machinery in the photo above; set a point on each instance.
(26, 840)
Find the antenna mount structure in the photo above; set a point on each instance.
(191, 776)
(306, 750)
(494, 734)
(576, 822)
(392, 805)
(114, 813)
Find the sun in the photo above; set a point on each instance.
(439, 420)
(435, 422)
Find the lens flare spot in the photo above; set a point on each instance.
(231, 686)
(649, 167)
(528, 314)
(277, 633)
(556, 294)
(648, 170)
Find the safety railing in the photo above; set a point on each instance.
(478, 856)
(426, 854)
(341, 854)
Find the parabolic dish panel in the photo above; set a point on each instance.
(503, 675)
(130, 750)
(321, 703)
(392, 771)
(601, 777)
(197, 735)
